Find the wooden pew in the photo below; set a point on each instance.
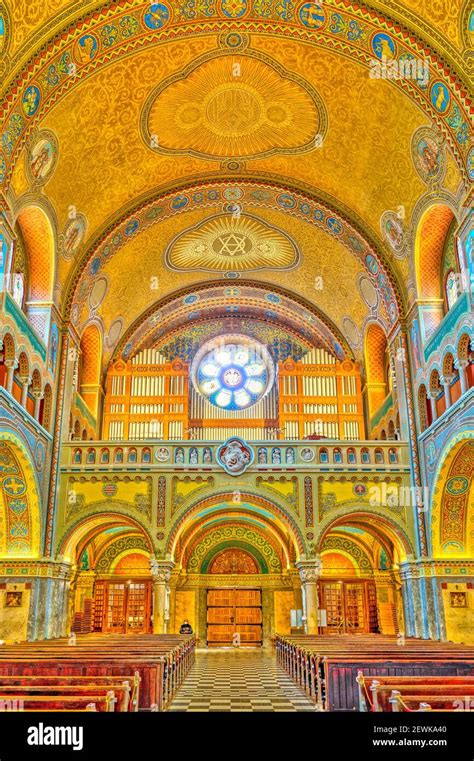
(374, 694)
(161, 661)
(100, 701)
(326, 666)
(130, 687)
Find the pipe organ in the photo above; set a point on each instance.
(151, 397)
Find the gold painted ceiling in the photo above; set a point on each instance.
(139, 100)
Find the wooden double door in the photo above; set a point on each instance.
(234, 611)
(122, 607)
(351, 606)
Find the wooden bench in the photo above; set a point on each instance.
(128, 699)
(84, 702)
(375, 694)
(161, 661)
(326, 666)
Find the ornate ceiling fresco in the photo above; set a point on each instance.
(171, 142)
(231, 243)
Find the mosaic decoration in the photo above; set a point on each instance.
(73, 236)
(224, 537)
(232, 373)
(253, 108)
(253, 196)
(232, 243)
(15, 519)
(428, 155)
(393, 232)
(308, 501)
(297, 319)
(161, 510)
(117, 548)
(235, 456)
(42, 157)
(339, 543)
(117, 31)
(233, 561)
(455, 500)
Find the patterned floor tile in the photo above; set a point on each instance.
(238, 680)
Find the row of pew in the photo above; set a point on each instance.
(95, 672)
(416, 693)
(337, 672)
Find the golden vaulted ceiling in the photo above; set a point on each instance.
(173, 143)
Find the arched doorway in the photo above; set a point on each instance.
(235, 575)
(360, 587)
(112, 584)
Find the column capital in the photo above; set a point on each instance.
(309, 570)
(38, 393)
(161, 570)
(446, 379)
(25, 380)
(12, 364)
(460, 364)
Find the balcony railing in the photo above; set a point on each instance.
(192, 456)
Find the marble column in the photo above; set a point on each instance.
(38, 396)
(25, 381)
(161, 575)
(310, 571)
(446, 382)
(434, 412)
(11, 365)
(461, 365)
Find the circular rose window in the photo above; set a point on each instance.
(233, 372)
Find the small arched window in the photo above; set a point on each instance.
(451, 288)
(77, 457)
(392, 456)
(365, 456)
(337, 456)
(323, 455)
(351, 456)
(132, 455)
(146, 454)
(90, 456)
(104, 456)
(118, 456)
(379, 456)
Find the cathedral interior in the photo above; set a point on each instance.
(236, 328)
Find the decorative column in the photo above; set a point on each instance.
(161, 575)
(446, 381)
(38, 396)
(11, 365)
(461, 365)
(310, 571)
(434, 412)
(25, 382)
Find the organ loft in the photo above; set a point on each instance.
(236, 354)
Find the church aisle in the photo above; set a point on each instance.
(238, 680)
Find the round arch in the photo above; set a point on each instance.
(452, 497)
(77, 537)
(373, 522)
(20, 503)
(38, 236)
(220, 503)
(430, 238)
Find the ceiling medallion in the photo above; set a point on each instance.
(233, 106)
(230, 244)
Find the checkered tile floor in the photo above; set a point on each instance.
(238, 680)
